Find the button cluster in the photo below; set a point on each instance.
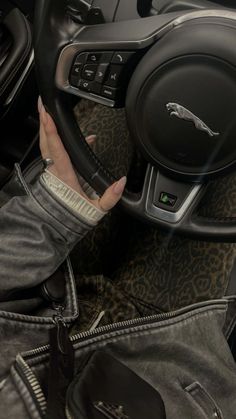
(101, 73)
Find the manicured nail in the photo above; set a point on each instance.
(120, 185)
(91, 138)
(44, 115)
(40, 104)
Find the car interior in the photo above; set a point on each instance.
(162, 102)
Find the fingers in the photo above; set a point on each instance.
(52, 147)
(112, 195)
(42, 135)
(55, 145)
(50, 143)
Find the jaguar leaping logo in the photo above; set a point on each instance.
(183, 113)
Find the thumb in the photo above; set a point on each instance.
(112, 195)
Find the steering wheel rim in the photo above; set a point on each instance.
(65, 39)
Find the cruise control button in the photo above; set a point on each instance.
(89, 71)
(108, 92)
(89, 86)
(113, 77)
(94, 57)
(121, 57)
(101, 72)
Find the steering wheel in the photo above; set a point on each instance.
(175, 74)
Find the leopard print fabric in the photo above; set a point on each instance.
(113, 146)
(150, 271)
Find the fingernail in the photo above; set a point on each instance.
(91, 138)
(40, 104)
(44, 115)
(120, 185)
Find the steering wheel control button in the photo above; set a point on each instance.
(75, 74)
(94, 57)
(104, 73)
(121, 57)
(81, 58)
(89, 72)
(85, 85)
(101, 72)
(107, 56)
(76, 69)
(113, 77)
(168, 199)
(90, 87)
(108, 92)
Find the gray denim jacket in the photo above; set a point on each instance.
(184, 355)
(37, 233)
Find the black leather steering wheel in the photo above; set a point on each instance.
(175, 74)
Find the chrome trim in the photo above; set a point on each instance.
(18, 84)
(164, 215)
(228, 14)
(68, 53)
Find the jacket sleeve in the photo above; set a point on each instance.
(37, 232)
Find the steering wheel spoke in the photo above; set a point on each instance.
(101, 70)
(97, 74)
(170, 202)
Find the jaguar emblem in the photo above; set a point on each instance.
(180, 112)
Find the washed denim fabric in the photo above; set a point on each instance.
(37, 234)
(184, 356)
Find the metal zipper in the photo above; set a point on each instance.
(141, 321)
(32, 382)
(26, 372)
(23, 368)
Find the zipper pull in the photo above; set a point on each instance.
(61, 365)
(61, 329)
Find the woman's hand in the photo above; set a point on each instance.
(52, 147)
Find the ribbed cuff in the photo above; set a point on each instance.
(73, 199)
